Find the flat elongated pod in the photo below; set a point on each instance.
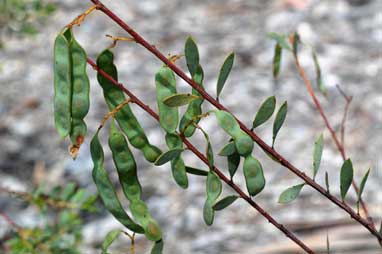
(125, 164)
(178, 167)
(62, 85)
(254, 175)
(125, 117)
(106, 189)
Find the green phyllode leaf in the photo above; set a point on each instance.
(361, 187)
(279, 121)
(265, 112)
(168, 156)
(290, 194)
(178, 100)
(225, 202)
(196, 171)
(319, 81)
(317, 154)
(224, 73)
(192, 55)
(346, 177)
(109, 239)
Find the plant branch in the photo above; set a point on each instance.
(139, 39)
(235, 187)
(348, 100)
(340, 146)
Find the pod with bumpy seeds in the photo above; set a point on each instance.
(177, 164)
(141, 213)
(166, 86)
(213, 189)
(80, 92)
(254, 175)
(125, 117)
(243, 142)
(106, 189)
(125, 164)
(62, 85)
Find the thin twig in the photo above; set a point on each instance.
(238, 190)
(9, 220)
(332, 132)
(139, 39)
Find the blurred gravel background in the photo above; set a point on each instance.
(348, 38)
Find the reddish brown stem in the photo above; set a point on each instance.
(340, 147)
(139, 39)
(9, 220)
(235, 187)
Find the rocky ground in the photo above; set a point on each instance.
(348, 41)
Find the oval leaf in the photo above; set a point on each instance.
(233, 163)
(224, 72)
(228, 149)
(192, 55)
(168, 156)
(317, 154)
(109, 239)
(196, 171)
(181, 99)
(265, 112)
(290, 194)
(225, 202)
(346, 177)
(280, 118)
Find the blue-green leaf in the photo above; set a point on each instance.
(361, 187)
(319, 81)
(192, 55)
(317, 154)
(168, 156)
(346, 177)
(290, 194)
(224, 72)
(279, 120)
(265, 112)
(180, 99)
(109, 239)
(225, 202)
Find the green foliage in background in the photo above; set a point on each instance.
(61, 231)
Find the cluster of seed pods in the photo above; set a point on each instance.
(71, 89)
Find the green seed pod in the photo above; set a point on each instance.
(62, 85)
(80, 92)
(141, 213)
(243, 143)
(125, 117)
(177, 164)
(194, 108)
(105, 187)
(166, 86)
(254, 176)
(125, 164)
(213, 189)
